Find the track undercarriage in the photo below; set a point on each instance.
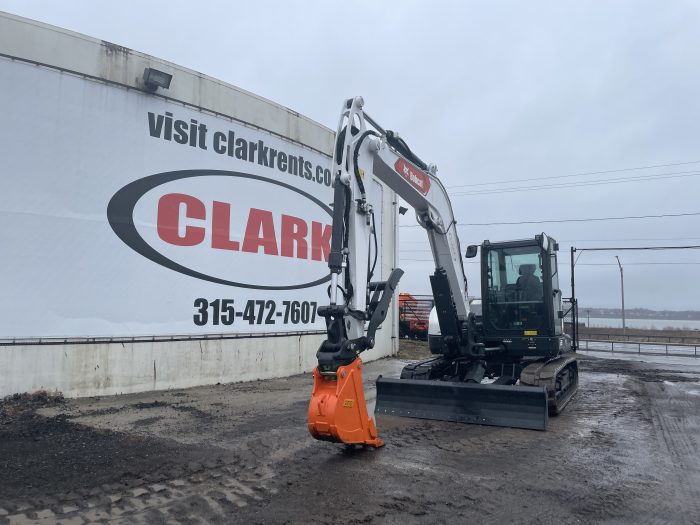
(559, 376)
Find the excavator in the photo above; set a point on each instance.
(511, 365)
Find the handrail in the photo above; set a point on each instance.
(649, 351)
(630, 337)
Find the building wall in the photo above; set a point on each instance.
(84, 310)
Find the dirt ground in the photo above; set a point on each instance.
(624, 451)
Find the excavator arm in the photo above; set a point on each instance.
(358, 304)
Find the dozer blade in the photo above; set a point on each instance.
(338, 412)
(497, 405)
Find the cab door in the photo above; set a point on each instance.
(556, 294)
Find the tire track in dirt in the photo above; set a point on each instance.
(672, 411)
(211, 491)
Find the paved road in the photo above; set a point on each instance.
(624, 451)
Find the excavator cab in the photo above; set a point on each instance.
(521, 299)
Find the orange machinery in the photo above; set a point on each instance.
(338, 411)
(414, 315)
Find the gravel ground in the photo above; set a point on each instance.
(624, 451)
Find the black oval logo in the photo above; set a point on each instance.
(120, 214)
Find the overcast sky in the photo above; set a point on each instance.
(490, 92)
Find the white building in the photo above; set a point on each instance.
(156, 238)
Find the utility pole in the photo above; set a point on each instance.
(588, 312)
(622, 289)
(574, 306)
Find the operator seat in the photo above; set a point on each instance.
(528, 283)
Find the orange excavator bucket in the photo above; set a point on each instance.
(337, 411)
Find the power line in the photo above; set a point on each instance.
(638, 248)
(636, 239)
(581, 174)
(602, 249)
(432, 260)
(641, 178)
(580, 264)
(615, 248)
(425, 241)
(636, 263)
(590, 219)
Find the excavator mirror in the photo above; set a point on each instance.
(471, 251)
